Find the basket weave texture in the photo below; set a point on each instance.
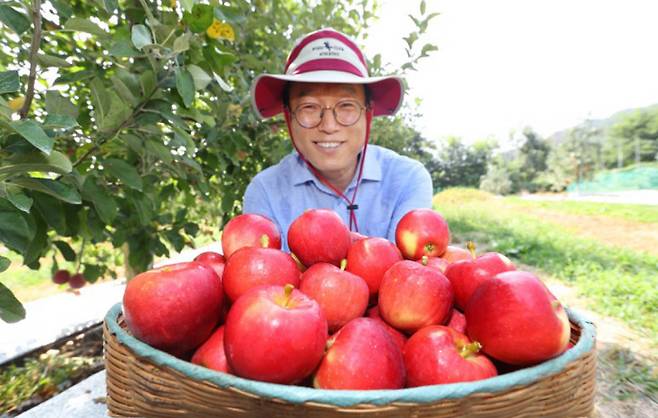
(145, 382)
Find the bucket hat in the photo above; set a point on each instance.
(326, 56)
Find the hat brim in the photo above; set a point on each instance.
(267, 90)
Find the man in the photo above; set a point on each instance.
(328, 101)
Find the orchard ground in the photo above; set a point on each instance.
(627, 380)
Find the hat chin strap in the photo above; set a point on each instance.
(351, 206)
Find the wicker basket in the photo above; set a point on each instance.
(143, 381)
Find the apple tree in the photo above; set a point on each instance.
(126, 124)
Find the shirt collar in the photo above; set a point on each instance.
(372, 169)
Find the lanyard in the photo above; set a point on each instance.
(351, 205)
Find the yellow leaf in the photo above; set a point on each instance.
(221, 30)
(172, 3)
(17, 103)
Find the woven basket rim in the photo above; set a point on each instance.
(346, 398)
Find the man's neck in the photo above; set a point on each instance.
(340, 180)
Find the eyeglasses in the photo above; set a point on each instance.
(346, 113)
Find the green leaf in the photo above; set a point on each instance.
(200, 77)
(52, 61)
(17, 21)
(56, 162)
(191, 228)
(105, 206)
(78, 24)
(92, 272)
(160, 151)
(182, 43)
(52, 211)
(18, 198)
(230, 14)
(9, 82)
(63, 9)
(37, 245)
(66, 250)
(4, 263)
(32, 132)
(200, 18)
(148, 82)
(110, 5)
(60, 105)
(123, 48)
(185, 86)
(60, 190)
(124, 91)
(125, 172)
(111, 112)
(11, 309)
(422, 7)
(187, 5)
(54, 121)
(15, 231)
(141, 36)
(143, 207)
(176, 239)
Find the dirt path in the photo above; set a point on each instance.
(623, 361)
(613, 231)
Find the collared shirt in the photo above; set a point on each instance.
(391, 185)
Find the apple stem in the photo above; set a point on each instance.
(429, 248)
(468, 350)
(471, 247)
(424, 260)
(343, 264)
(264, 241)
(287, 289)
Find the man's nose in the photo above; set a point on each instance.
(328, 122)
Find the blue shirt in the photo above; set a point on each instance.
(391, 185)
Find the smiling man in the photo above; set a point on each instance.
(328, 101)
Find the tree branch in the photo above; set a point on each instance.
(34, 51)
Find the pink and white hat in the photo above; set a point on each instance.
(325, 56)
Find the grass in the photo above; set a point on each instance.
(634, 213)
(618, 282)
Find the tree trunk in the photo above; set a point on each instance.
(128, 271)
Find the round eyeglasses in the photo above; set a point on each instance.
(346, 113)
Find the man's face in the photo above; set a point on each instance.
(331, 147)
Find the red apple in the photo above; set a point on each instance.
(250, 267)
(412, 296)
(77, 281)
(399, 338)
(467, 275)
(422, 232)
(275, 334)
(342, 296)
(211, 353)
(517, 319)
(174, 308)
(214, 260)
(454, 254)
(436, 263)
(319, 236)
(61, 277)
(438, 354)
(355, 236)
(249, 230)
(370, 258)
(457, 321)
(361, 356)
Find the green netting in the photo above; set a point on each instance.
(632, 178)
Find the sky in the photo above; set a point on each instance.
(506, 64)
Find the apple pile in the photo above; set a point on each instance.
(346, 311)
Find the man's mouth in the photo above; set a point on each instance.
(327, 144)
